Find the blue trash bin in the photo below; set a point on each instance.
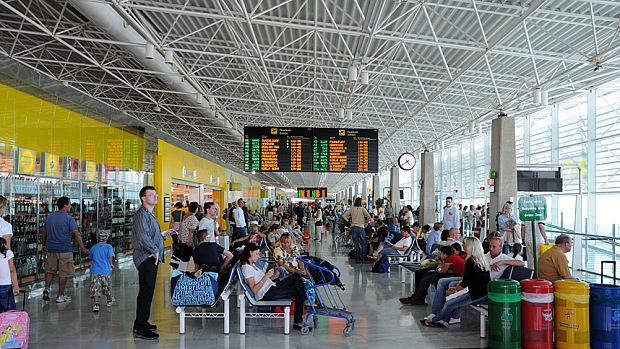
(604, 316)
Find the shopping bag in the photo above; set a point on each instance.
(195, 291)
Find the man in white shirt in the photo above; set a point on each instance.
(209, 221)
(497, 260)
(240, 225)
(451, 215)
(398, 248)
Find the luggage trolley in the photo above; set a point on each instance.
(324, 297)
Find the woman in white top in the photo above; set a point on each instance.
(266, 286)
(189, 224)
(6, 229)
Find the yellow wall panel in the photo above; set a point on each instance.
(31, 122)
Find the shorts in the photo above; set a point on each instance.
(100, 285)
(60, 263)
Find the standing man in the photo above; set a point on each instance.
(241, 229)
(359, 218)
(409, 215)
(209, 221)
(451, 215)
(56, 237)
(148, 252)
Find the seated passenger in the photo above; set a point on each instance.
(472, 287)
(273, 236)
(286, 257)
(255, 236)
(553, 264)
(208, 255)
(498, 261)
(433, 237)
(399, 248)
(452, 266)
(265, 286)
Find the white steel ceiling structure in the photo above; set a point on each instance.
(200, 70)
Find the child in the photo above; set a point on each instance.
(102, 256)
(9, 287)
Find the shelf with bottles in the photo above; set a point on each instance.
(28, 266)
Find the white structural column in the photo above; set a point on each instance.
(394, 190)
(504, 162)
(376, 188)
(350, 196)
(427, 188)
(364, 190)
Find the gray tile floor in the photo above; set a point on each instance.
(381, 321)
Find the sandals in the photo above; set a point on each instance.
(429, 323)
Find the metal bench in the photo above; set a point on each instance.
(286, 303)
(224, 296)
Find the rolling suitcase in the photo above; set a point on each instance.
(14, 327)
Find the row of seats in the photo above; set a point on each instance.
(236, 283)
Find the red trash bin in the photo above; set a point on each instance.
(537, 314)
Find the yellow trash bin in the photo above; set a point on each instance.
(572, 321)
(545, 247)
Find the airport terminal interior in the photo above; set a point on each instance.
(309, 174)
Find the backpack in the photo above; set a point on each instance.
(382, 265)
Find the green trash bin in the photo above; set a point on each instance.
(504, 314)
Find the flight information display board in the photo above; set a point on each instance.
(311, 193)
(294, 149)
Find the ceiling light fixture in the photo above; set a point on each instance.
(544, 98)
(364, 77)
(156, 108)
(536, 96)
(149, 50)
(341, 113)
(353, 73)
(502, 114)
(598, 67)
(199, 98)
(168, 56)
(211, 102)
(349, 115)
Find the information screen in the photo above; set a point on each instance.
(311, 192)
(274, 149)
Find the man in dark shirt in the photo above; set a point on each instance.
(148, 252)
(60, 227)
(208, 255)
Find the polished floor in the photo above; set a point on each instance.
(381, 321)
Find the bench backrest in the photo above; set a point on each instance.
(249, 294)
(517, 273)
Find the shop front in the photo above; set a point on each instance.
(47, 151)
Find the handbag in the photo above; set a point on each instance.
(195, 291)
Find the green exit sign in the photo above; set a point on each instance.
(532, 208)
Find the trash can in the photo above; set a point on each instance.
(504, 314)
(572, 323)
(604, 316)
(537, 314)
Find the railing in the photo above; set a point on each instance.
(594, 248)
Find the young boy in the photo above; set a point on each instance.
(102, 255)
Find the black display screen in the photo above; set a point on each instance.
(295, 149)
